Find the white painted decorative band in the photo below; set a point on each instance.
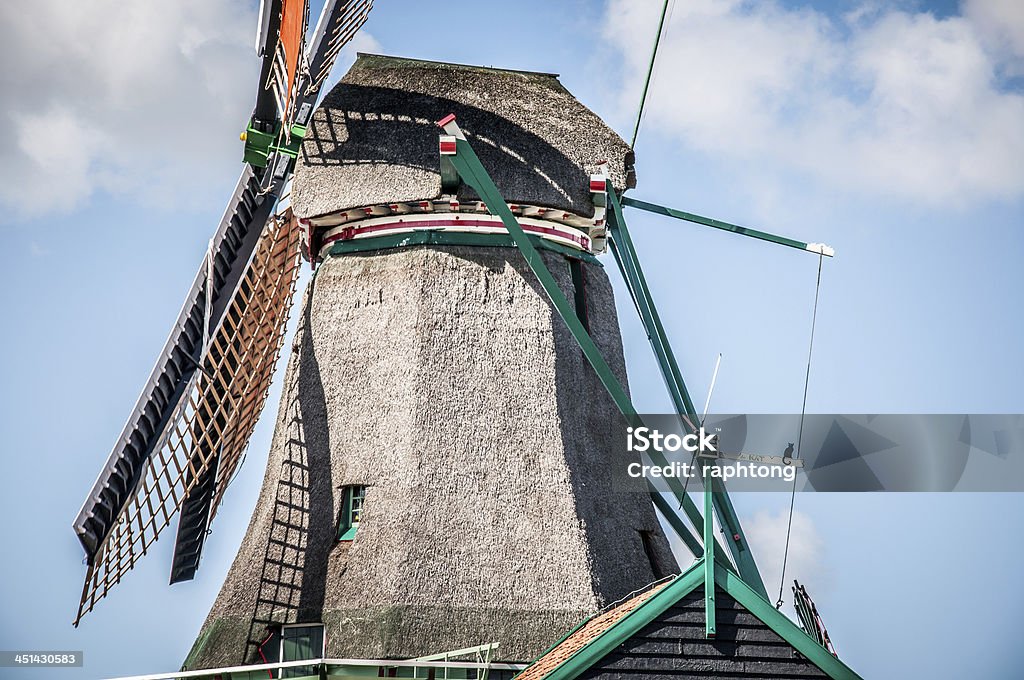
(453, 222)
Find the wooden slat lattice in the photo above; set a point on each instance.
(217, 415)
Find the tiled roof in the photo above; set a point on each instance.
(585, 634)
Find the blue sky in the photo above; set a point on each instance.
(892, 131)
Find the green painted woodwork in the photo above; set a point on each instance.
(579, 286)
(625, 255)
(629, 625)
(673, 519)
(259, 145)
(650, 72)
(351, 506)
(474, 174)
(629, 263)
(299, 643)
(718, 224)
(610, 639)
(710, 627)
(451, 238)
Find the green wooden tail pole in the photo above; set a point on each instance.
(819, 248)
(709, 566)
(473, 173)
(627, 258)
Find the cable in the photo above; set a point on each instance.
(800, 435)
(650, 72)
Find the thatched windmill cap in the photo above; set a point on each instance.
(373, 140)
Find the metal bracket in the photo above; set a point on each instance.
(260, 145)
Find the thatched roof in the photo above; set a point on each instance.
(442, 379)
(373, 140)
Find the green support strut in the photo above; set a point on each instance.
(473, 173)
(818, 248)
(629, 263)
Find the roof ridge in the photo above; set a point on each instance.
(369, 58)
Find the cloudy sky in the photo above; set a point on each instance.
(894, 131)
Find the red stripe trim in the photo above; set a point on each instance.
(349, 233)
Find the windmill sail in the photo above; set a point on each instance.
(232, 389)
(292, 75)
(177, 364)
(159, 457)
(192, 422)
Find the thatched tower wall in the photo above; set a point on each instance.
(443, 380)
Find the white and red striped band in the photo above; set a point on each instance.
(453, 222)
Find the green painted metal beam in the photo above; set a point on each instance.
(710, 629)
(819, 248)
(629, 262)
(781, 624)
(473, 173)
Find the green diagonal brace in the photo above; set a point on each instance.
(818, 248)
(626, 256)
(474, 174)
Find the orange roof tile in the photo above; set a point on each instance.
(585, 634)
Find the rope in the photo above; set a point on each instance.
(650, 72)
(800, 435)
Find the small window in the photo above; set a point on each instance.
(351, 508)
(298, 643)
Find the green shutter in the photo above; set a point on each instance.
(299, 643)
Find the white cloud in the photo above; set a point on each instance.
(136, 98)
(1001, 24)
(766, 532)
(880, 102)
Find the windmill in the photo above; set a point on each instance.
(440, 474)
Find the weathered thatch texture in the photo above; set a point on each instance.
(373, 140)
(441, 378)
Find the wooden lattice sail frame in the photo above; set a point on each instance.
(214, 422)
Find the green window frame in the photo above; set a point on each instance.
(352, 498)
